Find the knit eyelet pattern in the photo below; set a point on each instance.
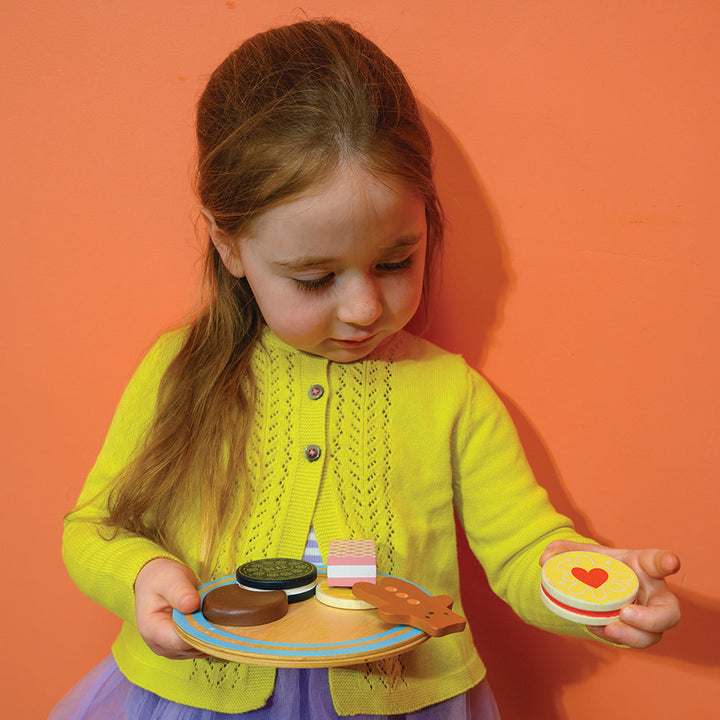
(352, 422)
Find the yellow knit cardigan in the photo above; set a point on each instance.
(407, 437)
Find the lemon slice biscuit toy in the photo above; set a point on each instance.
(587, 587)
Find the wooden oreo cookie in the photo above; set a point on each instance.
(297, 578)
(587, 587)
(233, 606)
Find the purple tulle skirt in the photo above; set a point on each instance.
(105, 694)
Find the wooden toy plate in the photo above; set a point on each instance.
(310, 635)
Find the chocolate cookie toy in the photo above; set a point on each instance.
(234, 606)
(296, 577)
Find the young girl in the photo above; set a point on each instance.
(295, 410)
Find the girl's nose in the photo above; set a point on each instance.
(361, 303)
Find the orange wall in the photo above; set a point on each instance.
(578, 161)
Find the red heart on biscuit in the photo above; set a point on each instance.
(594, 578)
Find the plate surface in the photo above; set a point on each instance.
(310, 635)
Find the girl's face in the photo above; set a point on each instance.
(340, 269)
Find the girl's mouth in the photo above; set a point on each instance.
(356, 343)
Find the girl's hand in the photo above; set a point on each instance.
(656, 608)
(160, 586)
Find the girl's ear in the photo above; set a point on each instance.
(227, 247)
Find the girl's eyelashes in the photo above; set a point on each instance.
(324, 282)
(316, 283)
(391, 267)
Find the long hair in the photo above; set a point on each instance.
(278, 115)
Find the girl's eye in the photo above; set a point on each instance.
(315, 284)
(391, 267)
(324, 282)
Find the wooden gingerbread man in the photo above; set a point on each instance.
(401, 602)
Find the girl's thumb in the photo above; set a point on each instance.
(184, 597)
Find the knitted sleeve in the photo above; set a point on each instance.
(507, 516)
(104, 566)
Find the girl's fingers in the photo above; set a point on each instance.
(165, 584)
(641, 626)
(163, 640)
(161, 586)
(622, 634)
(184, 597)
(657, 564)
(657, 609)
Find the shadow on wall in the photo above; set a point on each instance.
(548, 663)
(477, 277)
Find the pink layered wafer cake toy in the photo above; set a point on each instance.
(351, 561)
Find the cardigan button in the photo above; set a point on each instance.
(316, 392)
(312, 453)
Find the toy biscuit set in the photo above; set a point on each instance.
(284, 612)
